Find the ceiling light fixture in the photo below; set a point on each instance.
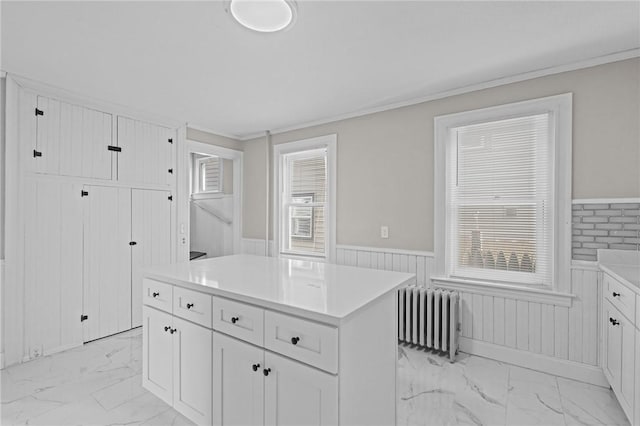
(265, 16)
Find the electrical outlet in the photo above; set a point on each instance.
(384, 232)
(183, 241)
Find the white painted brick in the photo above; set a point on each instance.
(625, 206)
(583, 213)
(582, 239)
(586, 226)
(595, 206)
(596, 232)
(635, 240)
(632, 226)
(625, 233)
(633, 212)
(623, 246)
(608, 226)
(595, 245)
(610, 212)
(584, 257)
(608, 240)
(599, 219)
(620, 219)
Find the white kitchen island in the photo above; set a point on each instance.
(251, 340)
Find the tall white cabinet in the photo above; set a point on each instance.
(96, 204)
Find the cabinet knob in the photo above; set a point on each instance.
(616, 294)
(173, 330)
(613, 321)
(156, 294)
(266, 371)
(235, 319)
(167, 328)
(255, 367)
(189, 305)
(295, 340)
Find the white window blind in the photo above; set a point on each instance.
(304, 202)
(500, 200)
(209, 174)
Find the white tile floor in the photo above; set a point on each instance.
(99, 384)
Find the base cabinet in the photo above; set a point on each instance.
(257, 387)
(177, 363)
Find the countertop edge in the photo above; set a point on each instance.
(288, 309)
(607, 269)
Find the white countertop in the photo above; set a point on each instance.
(321, 291)
(626, 273)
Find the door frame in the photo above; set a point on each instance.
(183, 192)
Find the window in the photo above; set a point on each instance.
(503, 194)
(304, 205)
(207, 173)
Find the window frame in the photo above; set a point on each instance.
(328, 142)
(196, 179)
(560, 109)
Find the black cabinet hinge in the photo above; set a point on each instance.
(170, 140)
(114, 148)
(84, 317)
(132, 243)
(37, 153)
(39, 112)
(170, 198)
(170, 171)
(84, 193)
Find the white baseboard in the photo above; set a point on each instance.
(558, 367)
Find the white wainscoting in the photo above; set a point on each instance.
(1, 319)
(559, 340)
(255, 246)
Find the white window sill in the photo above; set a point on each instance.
(207, 195)
(529, 294)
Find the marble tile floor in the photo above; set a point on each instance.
(99, 384)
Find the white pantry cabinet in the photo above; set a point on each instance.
(621, 348)
(284, 352)
(147, 152)
(72, 140)
(124, 230)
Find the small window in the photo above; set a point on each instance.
(207, 174)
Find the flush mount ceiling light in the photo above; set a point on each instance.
(265, 16)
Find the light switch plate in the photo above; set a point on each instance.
(384, 232)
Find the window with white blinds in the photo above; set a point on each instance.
(304, 198)
(500, 200)
(207, 173)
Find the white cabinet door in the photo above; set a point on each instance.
(627, 367)
(147, 154)
(157, 341)
(72, 140)
(107, 261)
(238, 385)
(53, 270)
(151, 232)
(612, 356)
(192, 370)
(636, 416)
(296, 394)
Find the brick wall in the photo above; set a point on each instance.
(604, 226)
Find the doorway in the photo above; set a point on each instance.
(212, 202)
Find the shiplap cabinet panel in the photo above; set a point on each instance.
(151, 231)
(147, 155)
(72, 140)
(53, 272)
(107, 261)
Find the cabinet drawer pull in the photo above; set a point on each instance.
(266, 371)
(235, 319)
(173, 330)
(156, 294)
(295, 340)
(616, 294)
(167, 328)
(613, 321)
(189, 305)
(255, 367)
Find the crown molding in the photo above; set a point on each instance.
(543, 72)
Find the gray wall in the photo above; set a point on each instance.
(385, 160)
(3, 88)
(212, 139)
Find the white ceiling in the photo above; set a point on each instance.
(190, 62)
